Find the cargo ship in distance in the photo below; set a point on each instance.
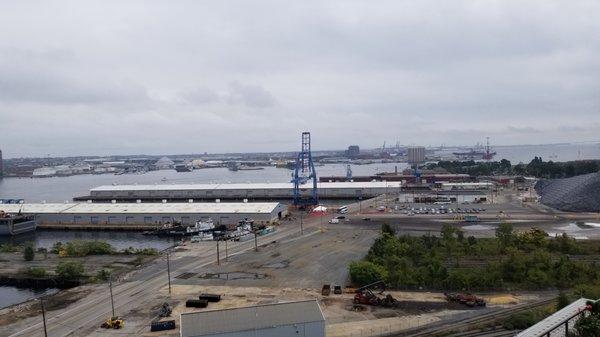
(474, 154)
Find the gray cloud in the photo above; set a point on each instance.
(241, 76)
(250, 95)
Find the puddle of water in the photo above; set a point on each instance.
(233, 276)
(478, 227)
(277, 265)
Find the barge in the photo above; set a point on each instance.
(14, 224)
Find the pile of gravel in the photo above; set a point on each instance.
(576, 194)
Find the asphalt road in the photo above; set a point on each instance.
(83, 317)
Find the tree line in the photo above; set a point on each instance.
(510, 260)
(536, 168)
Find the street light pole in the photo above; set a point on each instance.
(255, 238)
(112, 301)
(43, 316)
(226, 252)
(301, 229)
(169, 272)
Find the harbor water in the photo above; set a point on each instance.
(14, 295)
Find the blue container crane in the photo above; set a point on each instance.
(304, 171)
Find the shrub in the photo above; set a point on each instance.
(69, 270)
(103, 274)
(521, 320)
(140, 251)
(588, 326)
(85, 248)
(365, 272)
(563, 301)
(56, 247)
(37, 272)
(28, 252)
(9, 248)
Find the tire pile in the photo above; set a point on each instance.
(575, 194)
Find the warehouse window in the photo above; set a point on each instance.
(94, 220)
(77, 219)
(147, 219)
(129, 220)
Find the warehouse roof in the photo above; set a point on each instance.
(150, 208)
(249, 318)
(179, 187)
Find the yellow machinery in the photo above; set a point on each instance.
(113, 323)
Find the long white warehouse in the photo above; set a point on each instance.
(148, 213)
(352, 190)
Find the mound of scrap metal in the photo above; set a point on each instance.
(576, 194)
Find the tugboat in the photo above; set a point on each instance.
(200, 227)
(14, 224)
(177, 229)
(204, 236)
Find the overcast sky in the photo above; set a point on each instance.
(127, 77)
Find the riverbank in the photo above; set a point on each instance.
(65, 266)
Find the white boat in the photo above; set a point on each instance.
(204, 236)
(200, 227)
(240, 231)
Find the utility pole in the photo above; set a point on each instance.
(321, 218)
(112, 302)
(43, 316)
(218, 257)
(301, 229)
(226, 252)
(169, 272)
(255, 238)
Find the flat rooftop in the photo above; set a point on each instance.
(246, 186)
(238, 320)
(148, 208)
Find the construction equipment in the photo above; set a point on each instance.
(337, 290)
(114, 322)
(366, 295)
(165, 310)
(469, 300)
(326, 290)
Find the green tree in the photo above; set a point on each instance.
(562, 301)
(505, 235)
(69, 270)
(365, 272)
(387, 229)
(103, 274)
(28, 252)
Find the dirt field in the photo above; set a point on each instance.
(343, 318)
(307, 262)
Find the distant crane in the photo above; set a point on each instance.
(304, 170)
(348, 173)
